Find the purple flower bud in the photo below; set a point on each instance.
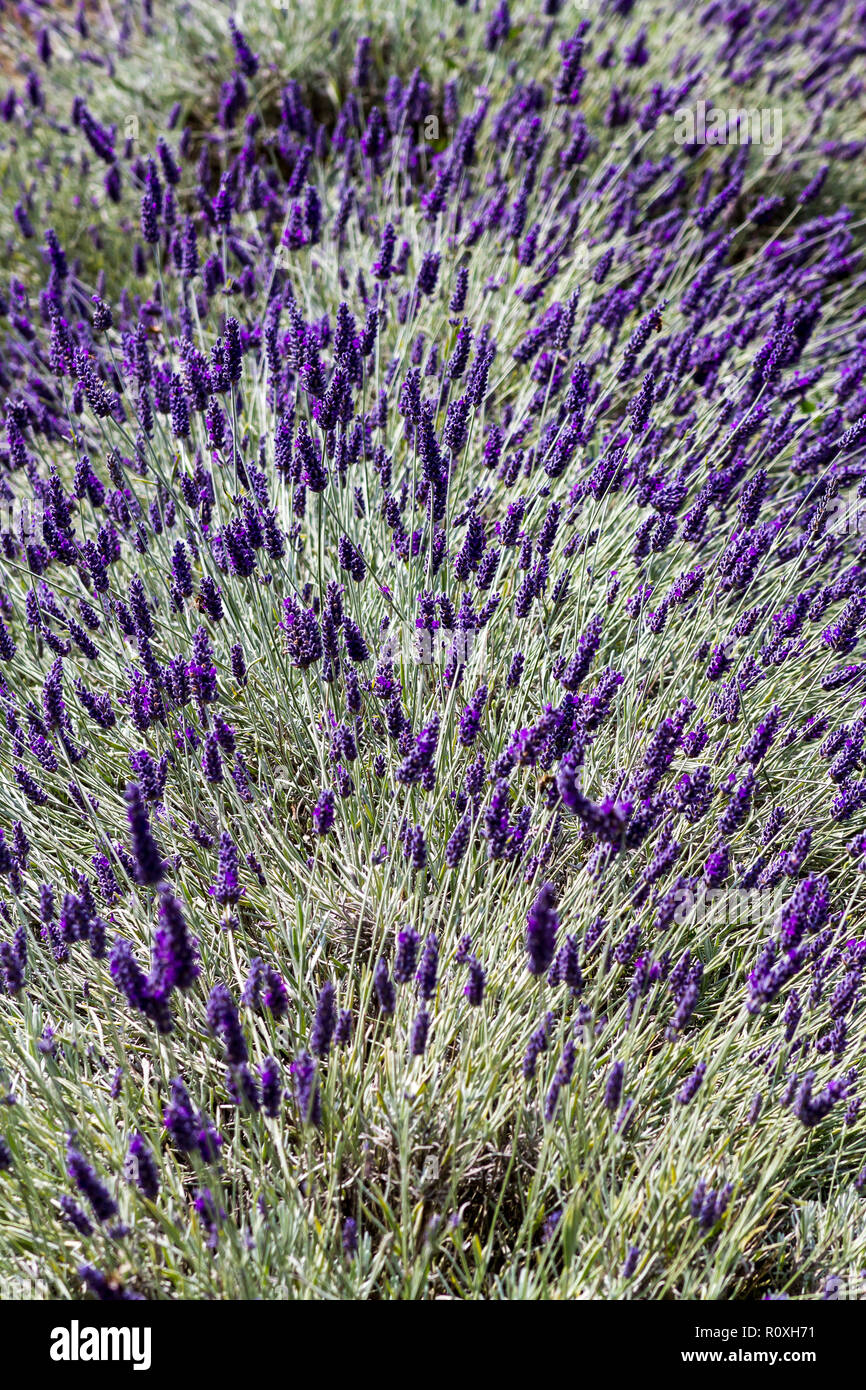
(324, 1022)
(474, 987)
(272, 1087)
(307, 1095)
(420, 1029)
(408, 941)
(383, 985)
(149, 863)
(690, 1087)
(226, 889)
(222, 1018)
(350, 1236)
(613, 1086)
(323, 812)
(85, 1179)
(541, 929)
(141, 1167)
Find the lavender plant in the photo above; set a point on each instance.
(433, 743)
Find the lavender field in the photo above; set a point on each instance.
(432, 589)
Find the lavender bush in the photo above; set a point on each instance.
(433, 768)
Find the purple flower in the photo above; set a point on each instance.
(718, 866)
(421, 756)
(606, 820)
(613, 1086)
(420, 1029)
(566, 967)
(457, 844)
(75, 1216)
(307, 1096)
(542, 926)
(475, 985)
(384, 987)
(324, 1022)
(408, 941)
(246, 60)
(356, 647)
(141, 1167)
(227, 889)
(149, 217)
(175, 952)
(561, 1078)
(427, 968)
(350, 1236)
(343, 1030)
(690, 1086)
(708, 1206)
(763, 737)
(538, 1042)
(470, 719)
(136, 987)
(272, 1087)
(323, 812)
(810, 1109)
(428, 273)
(222, 1018)
(85, 1179)
(275, 995)
(578, 668)
(149, 863)
(210, 1215)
